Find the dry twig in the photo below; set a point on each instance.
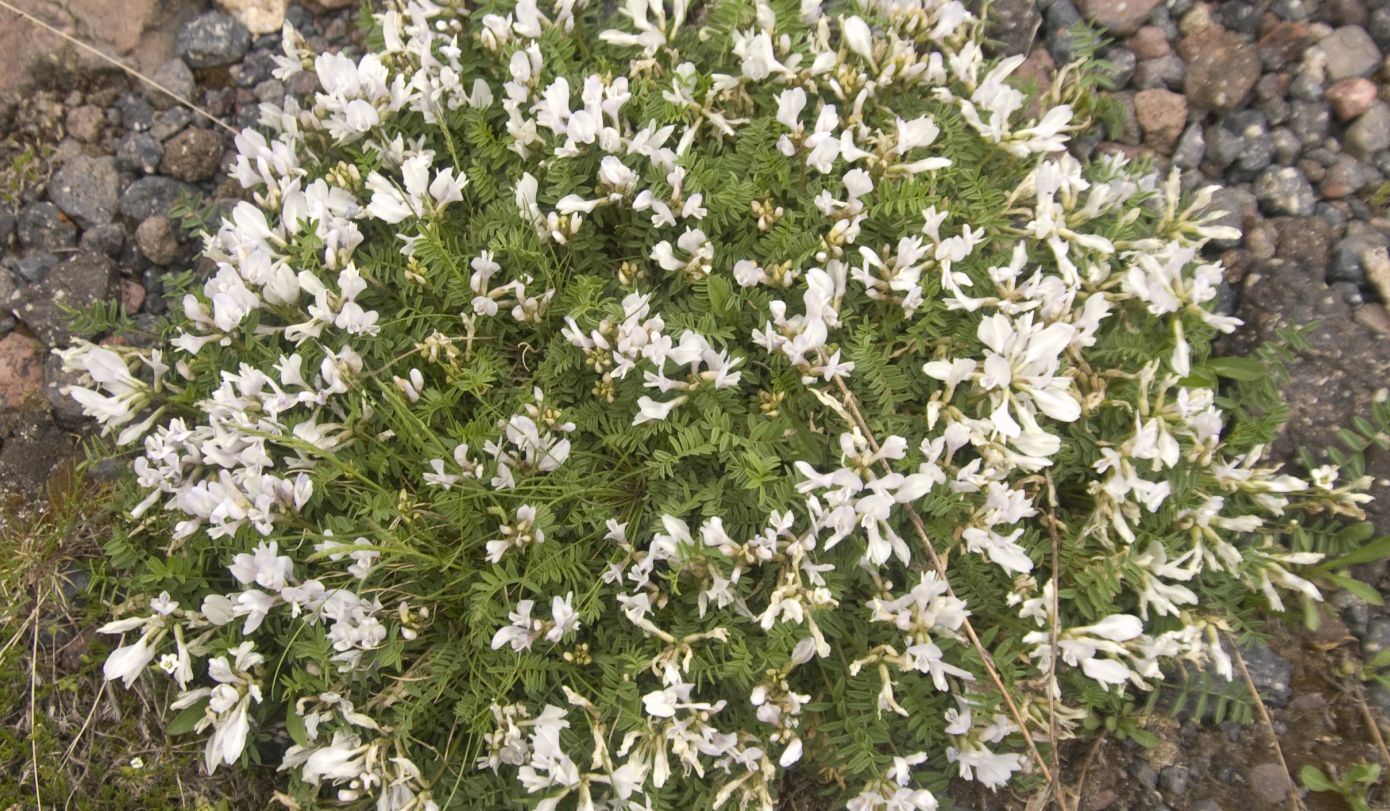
(120, 65)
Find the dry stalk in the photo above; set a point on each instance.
(940, 566)
(119, 65)
(1294, 799)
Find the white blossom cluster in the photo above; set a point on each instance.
(265, 457)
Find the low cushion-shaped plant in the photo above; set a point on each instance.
(624, 410)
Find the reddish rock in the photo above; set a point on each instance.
(1285, 41)
(1222, 69)
(85, 123)
(21, 370)
(1149, 42)
(1162, 116)
(1117, 16)
(1350, 98)
(132, 295)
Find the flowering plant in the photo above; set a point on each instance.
(621, 411)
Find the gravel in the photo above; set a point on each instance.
(43, 226)
(212, 40)
(153, 195)
(85, 188)
(139, 152)
(1284, 190)
(1350, 51)
(193, 155)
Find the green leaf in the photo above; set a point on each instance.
(720, 294)
(1243, 369)
(1360, 589)
(1371, 552)
(188, 718)
(294, 724)
(1313, 779)
(1364, 773)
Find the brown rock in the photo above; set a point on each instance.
(85, 123)
(132, 296)
(1284, 42)
(1350, 98)
(157, 240)
(21, 370)
(1162, 116)
(1118, 16)
(259, 16)
(1149, 42)
(193, 155)
(1222, 69)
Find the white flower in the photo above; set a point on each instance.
(858, 37)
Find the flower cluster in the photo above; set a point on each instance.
(617, 411)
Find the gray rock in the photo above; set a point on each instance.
(1284, 190)
(1377, 637)
(1205, 805)
(136, 113)
(139, 152)
(153, 195)
(1122, 63)
(1232, 202)
(271, 91)
(1378, 26)
(212, 40)
(1145, 774)
(1293, 10)
(1346, 265)
(259, 65)
(1270, 672)
(1345, 177)
(85, 189)
(1350, 52)
(1309, 120)
(1305, 87)
(1270, 783)
(31, 448)
(1121, 17)
(6, 226)
(42, 226)
(170, 122)
(1370, 132)
(1013, 23)
(157, 239)
(83, 279)
(7, 287)
(107, 239)
(1354, 611)
(1240, 16)
(1173, 780)
(1223, 146)
(1188, 153)
(175, 75)
(1164, 71)
(33, 267)
(1305, 241)
(1286, 145)
(66, 411)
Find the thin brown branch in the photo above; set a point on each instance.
(940, 566)
(1359, 693)
(1294, 799)
(163, 88)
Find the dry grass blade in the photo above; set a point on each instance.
(163, 88)
(940, 566)
(1294, 800)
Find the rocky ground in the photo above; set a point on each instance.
(1283, 103)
